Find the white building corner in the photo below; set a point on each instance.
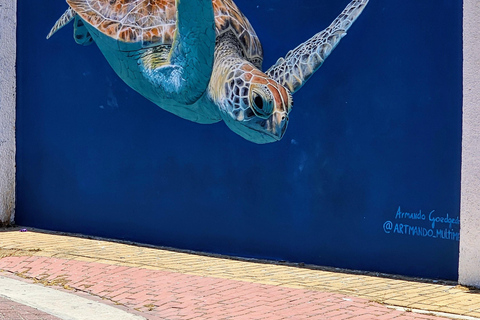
(8, 21)
(469, 261)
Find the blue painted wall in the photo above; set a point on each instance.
(375, 137)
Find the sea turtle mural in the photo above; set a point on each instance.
(201, 59)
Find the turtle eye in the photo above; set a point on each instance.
(258, 101)
(263, 107)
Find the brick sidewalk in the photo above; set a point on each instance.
(10, 310)
(161, 284)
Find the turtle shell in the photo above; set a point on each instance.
(152, 22)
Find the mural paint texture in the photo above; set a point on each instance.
(366, 177)
(201, 60)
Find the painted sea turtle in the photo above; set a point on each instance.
(201, 59)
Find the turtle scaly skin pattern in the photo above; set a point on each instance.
(202, 60)
(247, 97)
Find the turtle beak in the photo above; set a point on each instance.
(280, 125)
(276, 125)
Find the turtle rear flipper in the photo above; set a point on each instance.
(300, 63)
(80, 32)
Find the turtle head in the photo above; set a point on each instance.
(252, 105)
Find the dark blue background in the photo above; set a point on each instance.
(378, 127)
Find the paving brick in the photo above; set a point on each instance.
(10, 310)
(171, 285)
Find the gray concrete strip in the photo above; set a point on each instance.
(60, 304)
(433, 313)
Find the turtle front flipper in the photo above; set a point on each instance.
(300, 63)
(186, 73)
(65, 19)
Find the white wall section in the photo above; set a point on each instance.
(469, 263)
(8, 21)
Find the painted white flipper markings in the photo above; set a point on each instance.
(301, 63)
(65, 19)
